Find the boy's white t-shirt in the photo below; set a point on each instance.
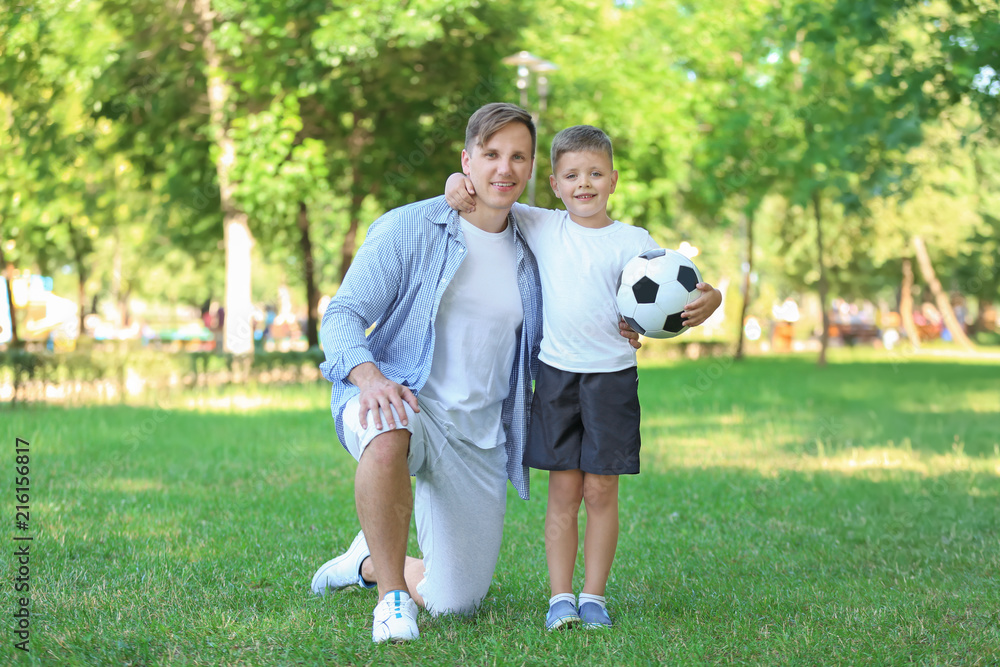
(579, 268)
(477, 326)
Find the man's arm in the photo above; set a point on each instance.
(366, 295)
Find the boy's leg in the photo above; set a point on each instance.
(561, 533)
(600, 494)
(611, 444)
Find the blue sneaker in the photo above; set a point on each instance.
(561, 615)
(593, 615)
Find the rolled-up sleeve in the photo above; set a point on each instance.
(368, 293)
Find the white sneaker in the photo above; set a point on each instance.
(344, 570)
(395, 618)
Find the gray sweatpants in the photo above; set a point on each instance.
(459, 506)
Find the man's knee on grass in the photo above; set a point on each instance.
(459, 603)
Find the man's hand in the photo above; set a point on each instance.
(459, 193)
(380, 395)
(701, 309)
(628, 332)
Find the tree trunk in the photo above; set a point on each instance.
(350, 240)
(308, 275)
(81, 272)
(116, 279)
(748, 217)
(906, 305)
(14, 340)
(940, 297)
(123, 306)
(824, 338)
(81, 296)
(9, 279)
(359, 138)
(983, 305)
(238, 325)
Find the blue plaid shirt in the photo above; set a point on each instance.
(397, 280)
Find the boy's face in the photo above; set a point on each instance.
(501, 167)
(584, 180)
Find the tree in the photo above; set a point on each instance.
(794, 126)
(943, 58)
(365, 103)
(377, 88)
(280, 176)
(944, 305)
(238, 334)
(840, 117)
(60, 164)
(732, 169)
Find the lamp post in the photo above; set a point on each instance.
(528, 64)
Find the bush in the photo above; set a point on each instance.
(987, 338)
(27, 375)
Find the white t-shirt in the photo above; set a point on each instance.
(475, 339)
(579, 268)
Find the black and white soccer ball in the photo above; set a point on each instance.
(653, 289)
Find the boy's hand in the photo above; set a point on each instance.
(629, 333)
(701, 309)
(459, 193)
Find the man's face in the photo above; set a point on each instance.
(501, 167)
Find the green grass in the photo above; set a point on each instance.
(785, 514)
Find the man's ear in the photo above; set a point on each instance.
(466, 159)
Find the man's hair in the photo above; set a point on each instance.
(493, 117)
(581, 138)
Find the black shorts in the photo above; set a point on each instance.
(585, 421)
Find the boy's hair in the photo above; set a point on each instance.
(581, 138)
(493, 117)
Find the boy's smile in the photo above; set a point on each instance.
(584, 180)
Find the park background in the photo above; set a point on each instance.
(820, 483)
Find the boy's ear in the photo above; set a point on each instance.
(614, 179)
(553, 183)
(465, 162)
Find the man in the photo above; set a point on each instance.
(456, 303)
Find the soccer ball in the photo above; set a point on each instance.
(653, 289)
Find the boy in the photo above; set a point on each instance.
(585, 413)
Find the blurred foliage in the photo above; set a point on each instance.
(883, 111)
(85, 376)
